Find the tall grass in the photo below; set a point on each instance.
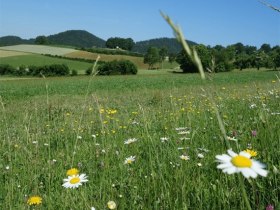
(39, 138)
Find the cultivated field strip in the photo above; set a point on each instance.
(39, 49)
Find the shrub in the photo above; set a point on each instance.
(89, 70)
(115, 67)
(74, 72)
(6, 69)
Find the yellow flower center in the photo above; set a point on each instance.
(72, 171)
(241, 161)
(75, 180)
(129, 161)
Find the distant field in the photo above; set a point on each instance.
(39, 49)
(18, 50)
(7, 53)
(138, 61)
(40, 60)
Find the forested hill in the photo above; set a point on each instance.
(170, 43)
(76, 38)
(14, 40)
(84, 39)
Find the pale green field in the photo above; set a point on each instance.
(51, 125)
(39, 49)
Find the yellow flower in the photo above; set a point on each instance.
(251, 152)
(34, 200)
(72, 171)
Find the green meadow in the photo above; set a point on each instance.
(50, 125)
(41, 60)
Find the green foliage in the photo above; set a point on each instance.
(77, 38)
(46, 70)
(171, 44)
(14, 40)
(112, 51)
(89, 70)
(120, 43)
(121, 67)
(42, 40)
(152, 57)
(6, 69)
(74, 72)
(187, 64)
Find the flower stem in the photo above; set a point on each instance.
(244, 194)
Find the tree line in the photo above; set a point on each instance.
(219, 58)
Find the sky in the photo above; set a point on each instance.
(208, 22)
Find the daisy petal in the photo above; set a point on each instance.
(231, 153)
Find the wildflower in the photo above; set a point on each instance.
(231, 138)
(269, 207)
(92, 208)
(79, 137)
(184, 132)
(252, 106)
(242, 162)
(112, 205)
(34, 200)
(131, 140)
(74, 181)
(129, 160)
(253, 153)
(93, 136)
(199, 164)
(72, 171)
(164, 139)
(184, 157)
(254, 133)
(200, 155)
(7, 167)
(181, 128)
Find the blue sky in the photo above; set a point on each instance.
(208, 22)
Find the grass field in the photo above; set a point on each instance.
(51, 125)
(40, 60)
(12, 55)
(39, 49)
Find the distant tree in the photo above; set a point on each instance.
(172, 57)
(265, 48)
(43, 40)
(117, 42)
(187, 64)
(222, 59)
(276, 58)
(152, 57)
(239, 48)
(163, 52)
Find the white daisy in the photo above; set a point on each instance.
(129, 160)
(164, 139)
(181, 128)
(131, 140)
(200, 155)
(242, 162)
(184, 157)
(74, 181)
